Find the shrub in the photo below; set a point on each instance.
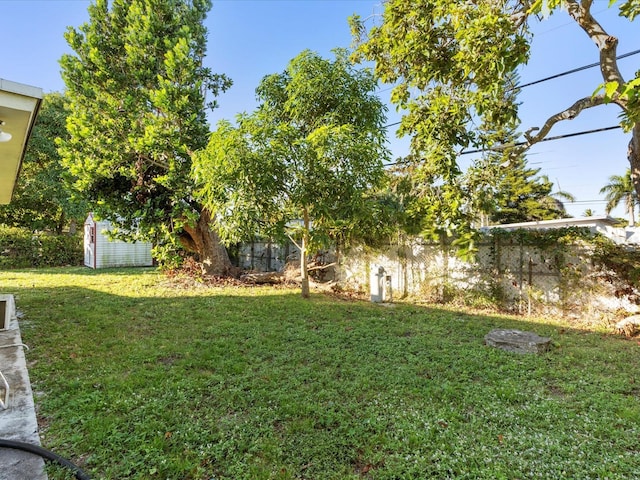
(21, 248)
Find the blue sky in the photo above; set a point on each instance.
(252, 38)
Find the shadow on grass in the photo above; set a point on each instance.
(139, 380)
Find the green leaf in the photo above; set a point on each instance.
(610, 89)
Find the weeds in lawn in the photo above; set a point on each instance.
(137, 380)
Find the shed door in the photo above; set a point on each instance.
(90, 245)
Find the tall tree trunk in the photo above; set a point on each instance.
(633, 154)
(60, 223)
(205, 242)
(73, 227)
(304, 270)
(607, 45)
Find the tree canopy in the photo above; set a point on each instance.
(138, 90)
(304, 162)
(453, 64)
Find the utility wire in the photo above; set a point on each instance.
(568, 72)
(518, 144)
(546, 79)
(547, 139)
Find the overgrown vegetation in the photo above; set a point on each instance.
(22, 248)
(570, 271)
(544, 239)
(139, 379)
(621, 264)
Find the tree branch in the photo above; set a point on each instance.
(569, 114)
(294, 242)
(520, 13)
(157, 163)
(607, 44)
(321, 267)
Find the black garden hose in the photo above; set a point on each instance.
(46, 454)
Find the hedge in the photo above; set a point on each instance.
(21, 248)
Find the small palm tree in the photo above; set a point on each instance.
(588, 213)
(620, 188)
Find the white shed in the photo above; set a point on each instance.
(102, 252)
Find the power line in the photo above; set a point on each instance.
(566, 24)
(557, 137)
(548, 139)
(546, 79)
(557, 75)
(568, 72)
(518, 144)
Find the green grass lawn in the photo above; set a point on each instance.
(136, 379)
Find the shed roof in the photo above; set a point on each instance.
(19, 105)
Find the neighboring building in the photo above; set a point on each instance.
(19, 105)
(102, 252)
(604, 225)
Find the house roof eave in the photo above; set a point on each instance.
(19, 106)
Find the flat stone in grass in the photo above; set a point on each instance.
(517, 341)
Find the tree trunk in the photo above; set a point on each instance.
(631, 207)
(607, 46)
(304, 271)
(60, 223)
(633, 155)
(205, 242)
(73, 227)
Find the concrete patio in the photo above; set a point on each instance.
(18, 418)
(19, 106)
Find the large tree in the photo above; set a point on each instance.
(304, 162)
(42, 199)
(137, 88)
(452, 62)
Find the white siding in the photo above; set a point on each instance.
(102, 252)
